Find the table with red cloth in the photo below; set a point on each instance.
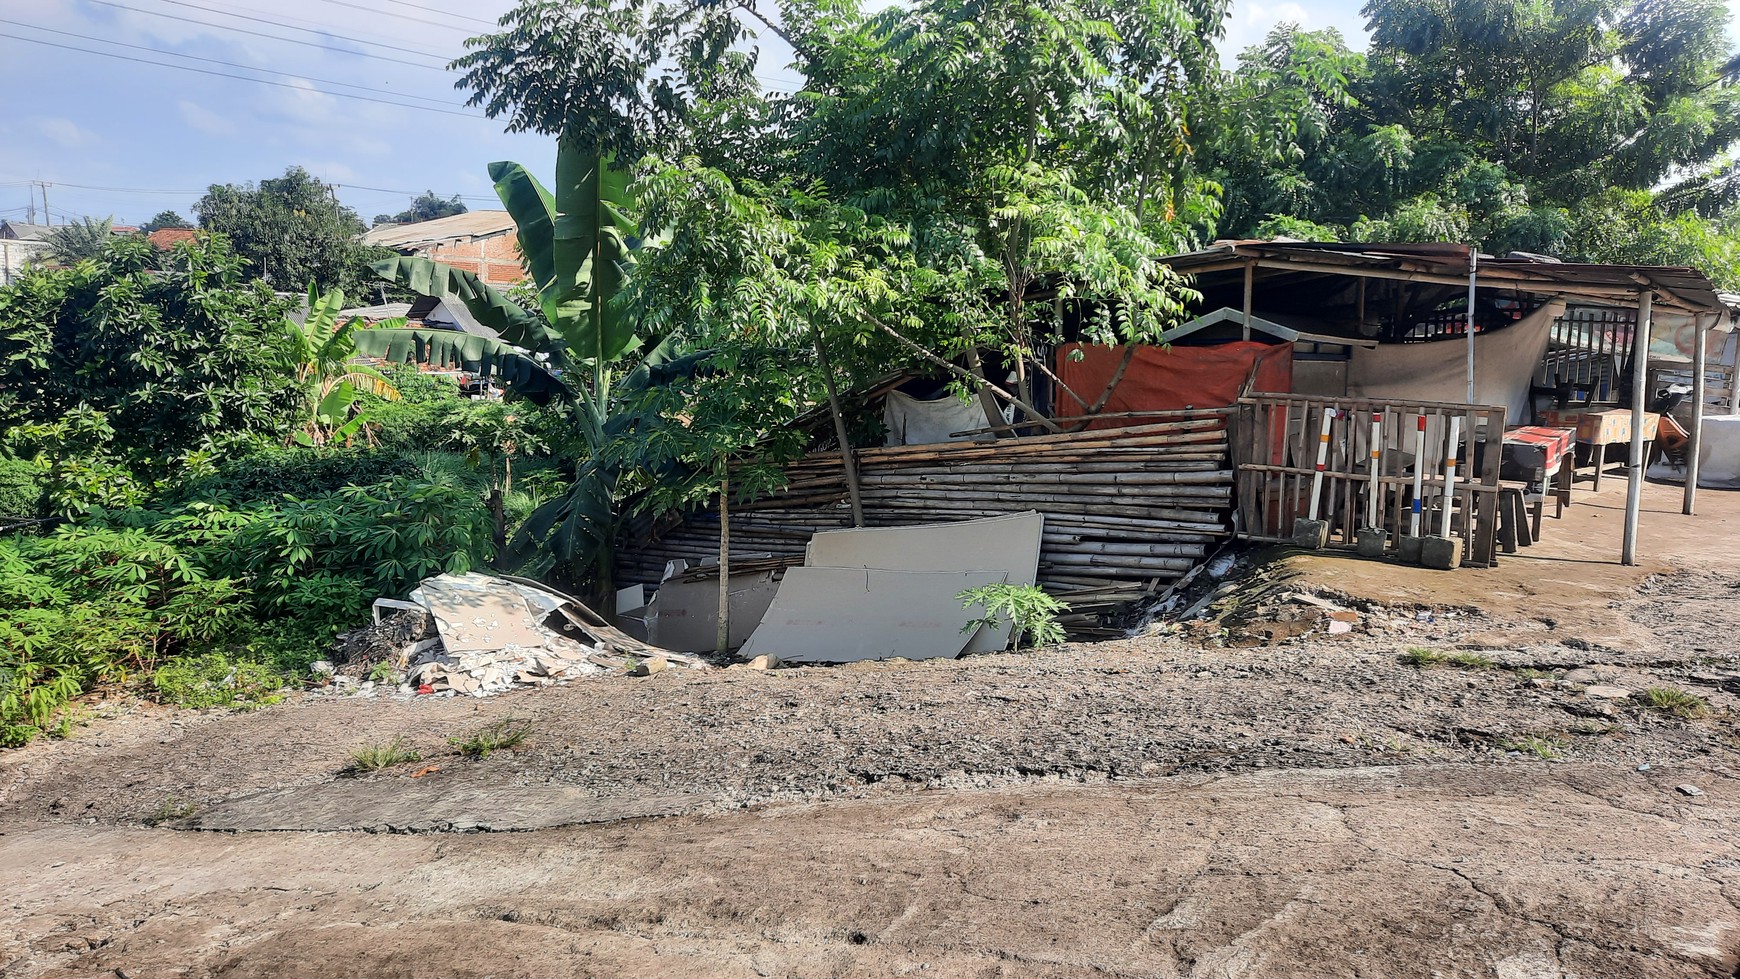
(1536, 454)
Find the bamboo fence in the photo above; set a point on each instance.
(1127, 510)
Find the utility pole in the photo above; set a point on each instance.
(47, 216)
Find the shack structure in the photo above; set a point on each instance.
(1211, 433)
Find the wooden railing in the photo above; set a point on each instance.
(1274, 446)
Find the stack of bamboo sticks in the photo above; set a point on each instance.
(1127, 510)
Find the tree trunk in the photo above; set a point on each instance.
(987, 401)
(847, 459)
(498, 512)
(724, 636)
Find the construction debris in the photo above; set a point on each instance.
(478, 635)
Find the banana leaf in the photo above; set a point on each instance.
(534, 212)
(516, 371)
(489, 305)
(593, 254)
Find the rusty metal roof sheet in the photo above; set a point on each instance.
(471, 224)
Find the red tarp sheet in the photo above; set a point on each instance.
(1169, 378)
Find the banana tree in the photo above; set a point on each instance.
(579, 245)
(322, 350)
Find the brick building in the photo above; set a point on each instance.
(480, 242)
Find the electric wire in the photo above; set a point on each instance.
(306, 30)
(269, 37)
(243, 78)
(227, 64)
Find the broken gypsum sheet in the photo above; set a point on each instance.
(842, 615)
(1007, 543)
(475, 612)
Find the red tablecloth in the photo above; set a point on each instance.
(1551, 443)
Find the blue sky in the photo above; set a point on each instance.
(117, 137)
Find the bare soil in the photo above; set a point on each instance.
(1178, 804)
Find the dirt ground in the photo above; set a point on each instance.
(1173, 805)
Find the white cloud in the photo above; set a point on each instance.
(65, 133)
(205, 120)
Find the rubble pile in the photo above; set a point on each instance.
(478, 635)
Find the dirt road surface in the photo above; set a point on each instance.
(1171, 805)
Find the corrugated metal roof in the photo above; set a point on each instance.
(471, 224)
(1679, 288)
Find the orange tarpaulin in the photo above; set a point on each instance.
(1169, 378)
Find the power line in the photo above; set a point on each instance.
(292, 27)
(242, 78)
(383, 13)
(226, 64)
(269, 37)
(450, 13)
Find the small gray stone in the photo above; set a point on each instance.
(321, 666)
(1688, 790)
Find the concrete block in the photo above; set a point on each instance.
(1310, 534)
(1408, 549)
(1372, 541)
(1442, 553)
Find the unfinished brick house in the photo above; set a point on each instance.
(480, 242)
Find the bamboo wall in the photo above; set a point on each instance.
(1127, 511)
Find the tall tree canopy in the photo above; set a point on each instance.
(290, 230)
(1599, 129)
(426, 206)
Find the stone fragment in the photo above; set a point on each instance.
(1603, 692)
(1691, 790)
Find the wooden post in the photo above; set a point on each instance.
(1419, 475)
(723, 641)
(1250, 289)
(1634, 471)
(1473, 261)
(1695, 444)
(1377, 448)
(1449, 498)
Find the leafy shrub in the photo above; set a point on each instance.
(1032, 612)
(215, 680)
(21, 489)
(216, 605)
(273, 473)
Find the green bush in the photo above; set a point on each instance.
(215, 605)
(216, 680)
(21, 489)
(272, 473)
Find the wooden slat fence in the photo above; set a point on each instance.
(1274, 446)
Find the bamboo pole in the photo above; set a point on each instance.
(1419, 475)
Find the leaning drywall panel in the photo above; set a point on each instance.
(842, 615)
(1009, 543)
(685, 614)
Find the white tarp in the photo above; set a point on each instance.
(1505, 362)
(842, 615)
(1007, 543)
(1718, 456)
(914, 422)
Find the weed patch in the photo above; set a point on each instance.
(1676, 702)
(1425, 658)
(376, 757)
(500, 736)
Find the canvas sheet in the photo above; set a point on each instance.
(842, 615)
(1504, 367)
(1010, 543)
(914, 422)
(1718, 456)
(1168, 378)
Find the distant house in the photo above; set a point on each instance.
(483, 243)
(19, 243)
(163, 239)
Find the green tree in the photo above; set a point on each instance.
(164, 219)
(426, 206)
(323, 350)
(86, 238)
(580, 245)
(115, 359)
(290, 231)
